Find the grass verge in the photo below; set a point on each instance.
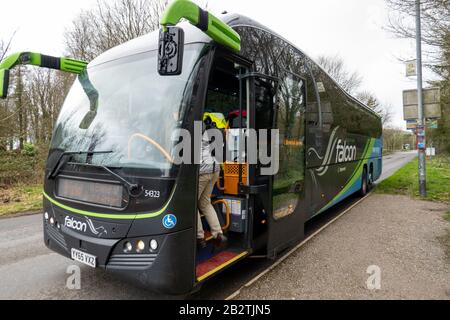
(20, 199)
(405, 181)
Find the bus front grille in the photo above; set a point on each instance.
(132, 261)
(56, 236)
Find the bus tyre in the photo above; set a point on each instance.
(364, 184)
(370, 180)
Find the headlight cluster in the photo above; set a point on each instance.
(51, 220)
(140, 246)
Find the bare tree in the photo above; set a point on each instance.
(436, 37)
(7, 127)
(335, 66)
(45, 92)
(2, 49)
(3, 110)
(370, 100)
(435, 30)
(111, 23)
(395, 138)
(6, 45)
(435, 20)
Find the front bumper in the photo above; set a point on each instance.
(169, 270)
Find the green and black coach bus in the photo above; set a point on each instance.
(115, 199)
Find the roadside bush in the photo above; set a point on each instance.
(22, 167)
(29, 150)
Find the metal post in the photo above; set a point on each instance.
(421, 122)
(431, 149)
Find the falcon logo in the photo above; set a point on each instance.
(345, 153)
(73, 224)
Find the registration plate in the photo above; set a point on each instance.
(84, 258)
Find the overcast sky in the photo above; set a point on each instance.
(352, 29)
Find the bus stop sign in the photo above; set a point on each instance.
(431, 101)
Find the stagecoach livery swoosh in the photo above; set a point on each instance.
(328, 155)
(354, 183)
(112, 216)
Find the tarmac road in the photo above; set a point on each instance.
(28, 270)
(393, 162)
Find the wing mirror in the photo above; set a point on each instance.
(171, 49)
(93, 95)
(4, 83)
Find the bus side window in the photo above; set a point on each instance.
(289, 182)
(312, 105)
(327, 93)
(314, 114)
(264, 116)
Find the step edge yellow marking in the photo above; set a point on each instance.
(210, 273)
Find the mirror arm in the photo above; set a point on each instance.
(205, 21)
(39, 60)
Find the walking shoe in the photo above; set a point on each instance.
(201, 243)
(221, 241)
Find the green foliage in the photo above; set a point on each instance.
(22, 167)
(29, 150)
(21, 176)
(405, 181)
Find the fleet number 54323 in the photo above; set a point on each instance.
(152, 194)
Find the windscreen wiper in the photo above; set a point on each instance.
(65, 157)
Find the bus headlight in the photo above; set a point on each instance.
(46, 216)
(140, 246)
(154, 245)
(52, 221)
(127, 247)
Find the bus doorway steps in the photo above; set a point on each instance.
(218, 262)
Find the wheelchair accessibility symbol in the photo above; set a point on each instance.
(169, 221)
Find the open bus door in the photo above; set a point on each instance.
(280, 104)
(274, 186)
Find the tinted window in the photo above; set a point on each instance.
(289, 182)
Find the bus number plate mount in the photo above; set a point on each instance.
(84, 258)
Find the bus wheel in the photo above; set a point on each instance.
(370, 179)
(364, 185)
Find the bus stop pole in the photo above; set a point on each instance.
(421, 122)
